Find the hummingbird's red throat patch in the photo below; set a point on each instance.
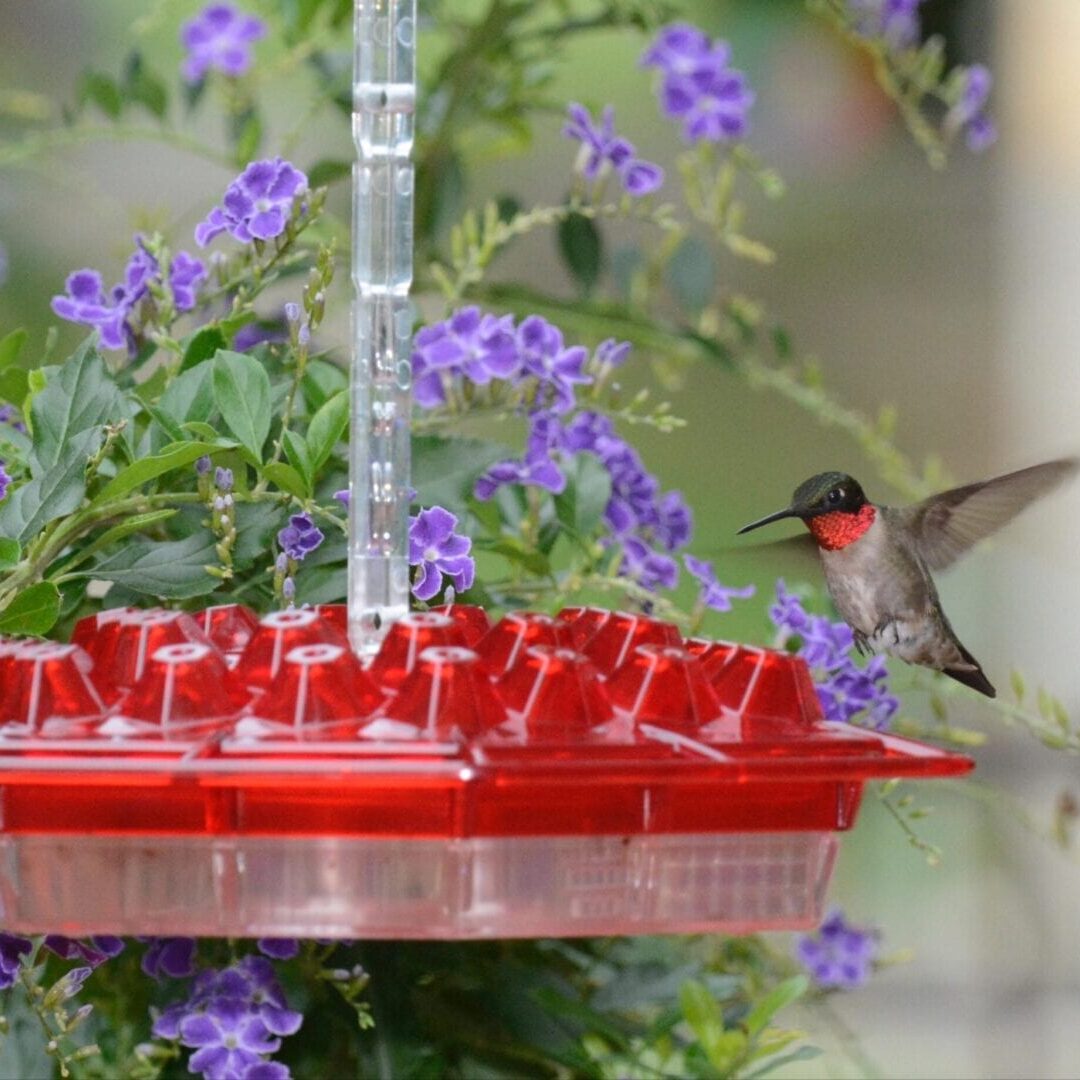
(839, 528)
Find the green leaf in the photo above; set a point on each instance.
(328, 171)
(242, 395)
(33, 611)
(29, 508)
(512, 548)
(286, 478)
(77, 396)
(722, 1047)
(248, 134)
(11, 345)
(444, 470)
(10, 553)
(202, 345)
(581, 248)
(172, 569)
(691, 274)
(137, 523)
(296, 450)
(581, 504)
(803, 1053)
(103, 92)
(778, 998)
(321, 381)
(200, 430)
(144, 88)
(14, 385)
(326, 428)
(168, 426)
(174, 456)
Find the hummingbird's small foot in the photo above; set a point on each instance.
(861, 643)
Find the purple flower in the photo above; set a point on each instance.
(852, 690)
(478, 346)
(838, 956)
(678, 49)
(437, 550)
(257, 204)
(229, 1039)
(649, 568)
(538, 467)
(116, 316)
(10, 415)
(5, 481)
(788, 613)
(845, 690)
(674, 521)
(279, 948)
(981, 134)
(93, 951)
(231, 1019)
(258, 333)
(12, 950)
(896, 21)
(169, 957)
(223, 479)
(612, 353)
(713, 594)
(300, 537)
(342, 497)
(268, 1070)
(697, 87)
(601, 151)
(219, 37)
(826, 645)
(968, 110)
(556, 368)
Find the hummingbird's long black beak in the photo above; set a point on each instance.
(778, 516)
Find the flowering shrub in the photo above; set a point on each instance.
(192, 449)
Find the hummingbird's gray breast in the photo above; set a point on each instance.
(884, 592)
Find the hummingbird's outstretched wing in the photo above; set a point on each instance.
(944, 526)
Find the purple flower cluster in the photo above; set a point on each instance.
(169, 957)
(13, 950)
(93, 950)
(300, 537)
(838, 956)
(480, 348)
(647, 524)
(713, 594)
(233, 1019)
(219, 37)
(438, 551)
(5, 481)
(117, 315)
(603, 151)
(845, 690)
(257, 204)
(895, 21)
(697, 87)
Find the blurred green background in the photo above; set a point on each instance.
(951, 295)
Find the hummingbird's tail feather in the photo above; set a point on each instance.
(975, 679)
(971, 674)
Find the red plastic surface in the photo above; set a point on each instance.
(588, 724)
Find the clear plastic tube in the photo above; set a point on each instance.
(384, 98)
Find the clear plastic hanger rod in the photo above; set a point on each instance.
(384, 99)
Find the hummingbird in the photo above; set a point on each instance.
(877, 559)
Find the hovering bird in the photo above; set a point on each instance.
(877, 559)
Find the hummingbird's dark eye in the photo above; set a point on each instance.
(835, 497)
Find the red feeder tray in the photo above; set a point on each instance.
(591, 774)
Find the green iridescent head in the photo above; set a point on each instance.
(822, 494)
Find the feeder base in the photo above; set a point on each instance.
(389, 888)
